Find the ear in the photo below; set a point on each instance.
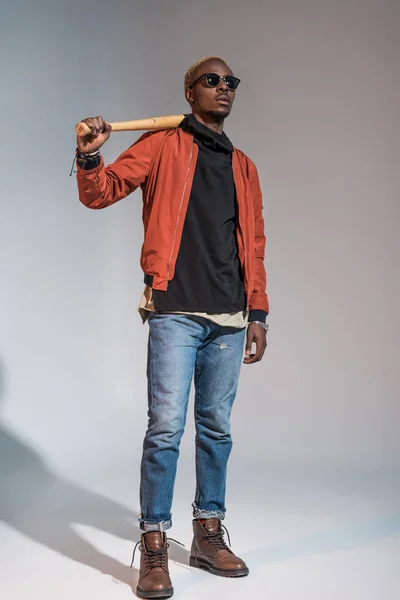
(189, 96)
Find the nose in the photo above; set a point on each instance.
(222, 85)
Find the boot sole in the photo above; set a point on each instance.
(155, 593)
(199, 563)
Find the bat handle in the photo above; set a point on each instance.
(82, 129)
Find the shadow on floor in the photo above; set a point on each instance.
(40, 504)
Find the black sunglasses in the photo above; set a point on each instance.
(213, 79)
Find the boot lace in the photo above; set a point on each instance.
(155, 558)
(217, 539)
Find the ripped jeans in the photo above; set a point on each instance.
(180, 347)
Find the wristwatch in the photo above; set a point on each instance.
(263, 325)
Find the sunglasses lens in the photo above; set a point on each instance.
(212, 79)
(232, 82)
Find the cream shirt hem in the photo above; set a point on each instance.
(238, 320)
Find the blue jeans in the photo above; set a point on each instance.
(179, 347)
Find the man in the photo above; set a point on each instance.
(204, 275)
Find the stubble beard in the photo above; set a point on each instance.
(218, 116)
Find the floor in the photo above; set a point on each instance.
(305, 535)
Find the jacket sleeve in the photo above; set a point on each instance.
(259, 298)
(103, 186)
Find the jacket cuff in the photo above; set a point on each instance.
(258, 315)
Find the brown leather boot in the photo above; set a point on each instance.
(154, 580)
(210, 552)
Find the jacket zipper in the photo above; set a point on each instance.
(244, 267)
(244, 252)
(179, 211)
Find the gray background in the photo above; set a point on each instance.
(318, 112)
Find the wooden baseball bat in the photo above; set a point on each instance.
(154, 123)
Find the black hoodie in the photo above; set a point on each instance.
(208, 274)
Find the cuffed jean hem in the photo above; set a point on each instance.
(159, 526)
(199, 513)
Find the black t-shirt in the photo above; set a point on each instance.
(208, 274)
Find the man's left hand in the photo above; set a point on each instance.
(257, 335)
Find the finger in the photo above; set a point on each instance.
(253, 358)
(89, 137)
(97, 128)
(89, 123)
(249, 343)
(93, 125)
(249, 360)
(101, 124)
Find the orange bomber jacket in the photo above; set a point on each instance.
(162, 164)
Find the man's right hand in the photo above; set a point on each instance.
(100, 132)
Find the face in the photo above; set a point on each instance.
(206, 100)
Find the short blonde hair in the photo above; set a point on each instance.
(192, 69)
